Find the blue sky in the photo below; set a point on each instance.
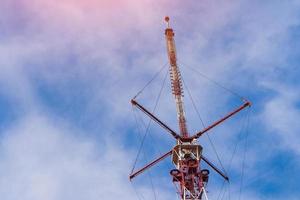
(68, 70)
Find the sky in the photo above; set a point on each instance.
(68, 69)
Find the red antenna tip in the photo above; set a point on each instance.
(167, 19)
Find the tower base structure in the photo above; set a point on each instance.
(188, 177)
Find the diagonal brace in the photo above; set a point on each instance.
(139, 106)
(149, 165)
(215, 168)
(197, 135)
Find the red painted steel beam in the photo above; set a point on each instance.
(197, 135)
(215, 168)
(139, 106)
(149, 165)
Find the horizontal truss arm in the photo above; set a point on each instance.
(215, 168)
(149, 165)
(197, 135)
(173, 133)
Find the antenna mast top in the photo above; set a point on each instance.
(175, 77)
(167, 19)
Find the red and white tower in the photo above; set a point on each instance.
(186, 155)
(175, 77)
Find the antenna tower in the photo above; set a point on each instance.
(190, 178)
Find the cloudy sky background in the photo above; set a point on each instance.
(69, 68)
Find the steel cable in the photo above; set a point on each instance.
(150, 177)
(146, 133)
(214, 82)
(149, 123)
(244, 156)
(199, 116)
(149, 82)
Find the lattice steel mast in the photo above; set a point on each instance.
(186, 154)
(175, 77)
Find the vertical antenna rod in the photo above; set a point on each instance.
(175, 79)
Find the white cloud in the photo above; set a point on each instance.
(101, 36)
(42, 160)
(281, 115)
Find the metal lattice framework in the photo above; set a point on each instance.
(186, 155)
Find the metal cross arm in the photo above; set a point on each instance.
(215, 168)
(150, 165)
(139, 106)
(246, 104)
